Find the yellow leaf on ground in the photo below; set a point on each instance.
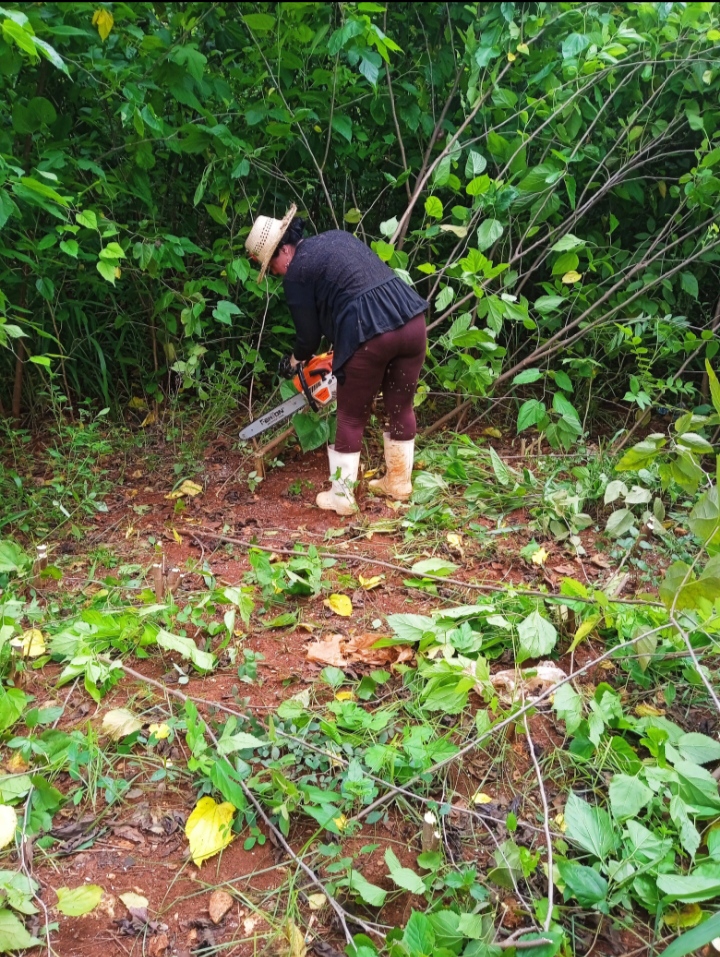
(187, 488)
(134, 901)
(648, 711)
(119, 722)
(209, 828)
(317, 901)
(8, 824)
(176, 535)
(481, 798)
(492, 432)
(540, 557)
(296, 939)
(137, 402)
(161, 731)
(369, 583)
(150, 419)
(33, 643)
(340, 604)
(345, 696)
(104, 21)
(340, 822)
(570, 277)
(560, 823)
(454, 539)
(585, 629)
(371, 473)
(688, 916)
(17, 764)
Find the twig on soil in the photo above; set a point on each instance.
(369, 559)
(546, 821)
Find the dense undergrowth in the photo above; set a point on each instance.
(610, 823)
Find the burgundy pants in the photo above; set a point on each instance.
(390, 362)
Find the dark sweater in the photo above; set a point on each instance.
(338, 288)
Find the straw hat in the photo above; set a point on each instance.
(265, 236)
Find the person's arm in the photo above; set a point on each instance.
(301, 300)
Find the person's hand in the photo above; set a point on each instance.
(288, 367)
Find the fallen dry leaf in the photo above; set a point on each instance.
(568, 570)
(220, 904)
(359, 648)
(540, 557)
(158, 945)
(513, 685)
(345, 696)
(600, 561)
(328, 651)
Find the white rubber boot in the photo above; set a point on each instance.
(343, 475)
(399, 457)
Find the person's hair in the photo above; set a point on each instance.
(292, 235)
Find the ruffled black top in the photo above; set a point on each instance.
(338, 288)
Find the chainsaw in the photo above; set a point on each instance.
(316, 386)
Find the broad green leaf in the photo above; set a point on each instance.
(690, 888)
(628, 796)
(527, 376)
(536, 637)
(343, 125)
(704, 519)
(419, 936)
(488, 233)
(714, 386)
(434, 566)
(689, 836)
(620, 522)
(240, 741)
(203, 660)
(568, 705)
(641, 454)
(698, 748)
(13, 935)
(370, 893)
(259, 22)
(78, 901)
(585, 883)
(590, 827)
(411, 628)
(433, 207)
(566, 243)
(615, 490)
(404, 877)
(531, 412)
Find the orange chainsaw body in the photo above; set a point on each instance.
(318, 372)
